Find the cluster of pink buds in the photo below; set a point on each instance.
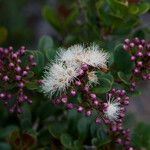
(110, 111)
(121, 135)
(13, 77)
(140, 55)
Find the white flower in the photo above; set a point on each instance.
(92, 77)
(77, 55)
(113, 109)
(73, 56)
(57, 78)
(60, 74)
(95, 57)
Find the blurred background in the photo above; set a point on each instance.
(65, 22)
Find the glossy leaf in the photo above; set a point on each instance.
(83, 126)
(124, 78)
(56, 129)
(144, 7)
(122, 60)
(66, 140)
(46, 46)
(105, 86)
(133, 9)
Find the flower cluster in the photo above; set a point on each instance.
(140, 55)
(13, 77)
(72, 74)
(116, 110)
(71, 65)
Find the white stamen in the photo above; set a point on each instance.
(113, 109)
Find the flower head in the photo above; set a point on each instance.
(77, 55)
(70, 64)
(113, 109)
(95, 57)
(57, 78)
(73, 56)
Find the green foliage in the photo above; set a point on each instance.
(51, 17)
(122, 60)
(66, 140)
(141, 136)
(25, 118)
(46, 44)
(3, 35)
(75, 131)
(56, 129)
(105, 86)
(124, 77)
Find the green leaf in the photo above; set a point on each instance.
(52, 18)
(144, 7)
(56, 129)
(46, 45)
(102, 136)
(104, 86)
(95, 141)
(25, 118)
(133, 9)
(46, 42)
(66, 140)
(124, 77)
(93, 128)
(108, 76)
(72, 115)
(77, 145)
(39, 59)
(117, 6)
(44, 137)
(122, 60)
(141, 136)
(83, 126)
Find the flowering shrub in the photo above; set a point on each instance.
(77, 97)
(75, 72)
(76, 79)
